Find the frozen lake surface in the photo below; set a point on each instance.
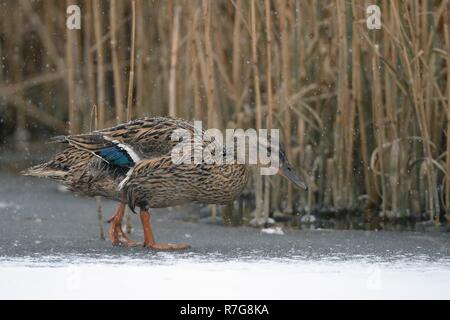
(49, 248)
(187, 277)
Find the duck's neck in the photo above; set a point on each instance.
(255, 155)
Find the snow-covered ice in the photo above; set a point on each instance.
(4, 205)
(275, 230)
(49, 248)
(188, 277)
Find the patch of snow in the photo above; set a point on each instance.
(259, 222)
(62, 188)
(308, 218)
(5, 205)
(276, 230)
(190, 277)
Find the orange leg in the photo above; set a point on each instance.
(116, 234)
(149, 239)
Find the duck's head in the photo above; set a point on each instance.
(285, 170)
(280, 165)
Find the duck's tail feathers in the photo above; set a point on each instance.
(58, 139)
(44, 170)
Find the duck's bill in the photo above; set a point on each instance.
(289, 174)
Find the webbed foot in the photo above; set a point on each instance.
(149, 239)
(116, 234)
(167, 246)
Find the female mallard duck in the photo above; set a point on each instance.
(132, 163)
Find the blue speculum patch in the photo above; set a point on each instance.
(117, 156)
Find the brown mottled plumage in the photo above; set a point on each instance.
(159, 183)
(132, 164)
(155, 181)
(81, 172)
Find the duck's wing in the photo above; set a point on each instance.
(124, 145)
(104, 147)
(149, 137)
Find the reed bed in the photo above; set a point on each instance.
(363, 113)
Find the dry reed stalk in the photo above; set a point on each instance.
(194, 12)
(286, 89)
(389, 52)
(221, 60)
(124, 13)
(141, 52)
(269, 64)
(185, 81)
(269, 98)
(173, 63)
(344, 116)
(89, 63)
(298, 62)
(71, 62)
(447, 48)
(258, 178)
(210, 87)
(97, 17)
(330, 183)
(20, 132)
(236, 65)
(309, 164)
(98, 202)
(256, 80)
(395, 165)
(132, 59)
(118, 93)
(378, 113)
(129, 225)
(202, 64)
(98, 199)
(100, 107)
(357, 99)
